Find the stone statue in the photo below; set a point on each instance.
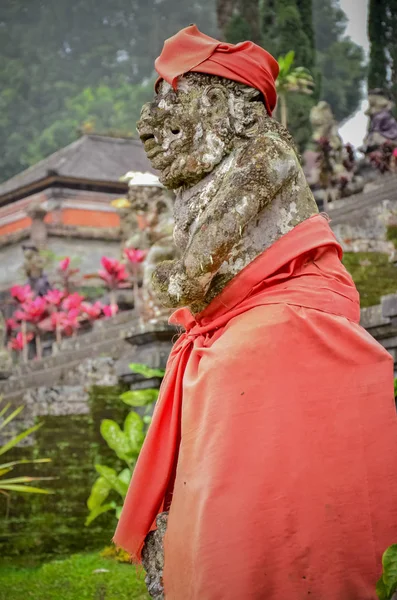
(382, 126)
(218, 149)
(239, 439)
(332, 172)
(238, 186)
(325, 126)
(151, 205)
(33, 266)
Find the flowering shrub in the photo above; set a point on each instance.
(62, 311)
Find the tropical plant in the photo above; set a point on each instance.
(110, 488)
(17, 484)
(291, 80)
(387, 584)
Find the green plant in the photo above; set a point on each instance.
(387, 584)
(17, 484)
(291, 80)
(126, 443)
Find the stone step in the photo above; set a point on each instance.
(77, 344)
(53, 375)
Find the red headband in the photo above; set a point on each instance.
(192, 51)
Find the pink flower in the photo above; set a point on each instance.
(395, 152)
(22, 293)
(64, 264)
(70, 322)
(19, 341)
(11, 324)
(110, 310)
(33, 311)
(134, 256)
(54, 297)
(73, 301)
(114, 273)
(92, 311)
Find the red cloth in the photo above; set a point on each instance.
(191, 50)
(278, 409)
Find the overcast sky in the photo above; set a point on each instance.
(353, 131)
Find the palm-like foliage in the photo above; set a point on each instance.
(17, 484)
(291, 80)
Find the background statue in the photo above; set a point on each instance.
(382, 126)
(333, 170)
(33, 266)
(147, 224)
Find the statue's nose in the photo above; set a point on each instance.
(145, 124)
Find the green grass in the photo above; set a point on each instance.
(74, 579)
(373, 275)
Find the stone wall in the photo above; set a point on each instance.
(71, 395)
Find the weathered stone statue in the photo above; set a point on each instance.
(219, 154)
(255, 450)
(33, 266)
(151, 205)
(382, 126)
(332, 174)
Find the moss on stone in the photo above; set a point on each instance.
(373, 275)
(42, 526)
(391, 234)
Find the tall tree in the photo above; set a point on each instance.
(238, 20)
(378, 24)
(51, 51)
(339, 60)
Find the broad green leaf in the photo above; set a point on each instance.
(140, 397)
(118, 511)
(12, 416)
(24, 479)
(111, 477)
(133, 427)
(389, 562)
(99, 492)
(147, 419)
(25, 461)
(24, 488)
(146, 371)
(116, 439)
(125, 476)
(18, 438)
(99, 511)
(381, 591)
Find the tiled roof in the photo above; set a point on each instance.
(95, 157)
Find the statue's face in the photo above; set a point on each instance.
(187, 132)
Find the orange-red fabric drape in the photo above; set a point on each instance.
(191, 50)
(277, 410)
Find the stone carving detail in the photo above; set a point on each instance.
(234, 171)
(239, 187)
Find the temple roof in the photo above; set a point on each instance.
(91, 157)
